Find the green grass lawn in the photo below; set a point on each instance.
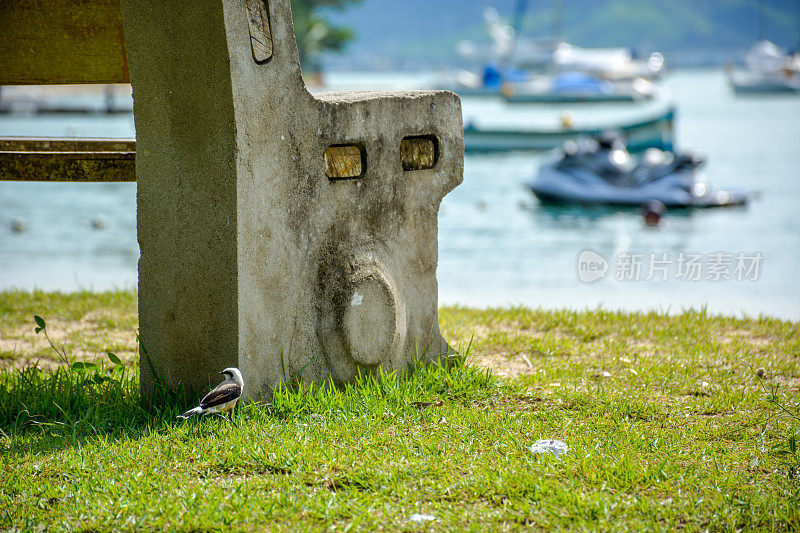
(672, 422)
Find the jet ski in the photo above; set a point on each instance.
(601, 171)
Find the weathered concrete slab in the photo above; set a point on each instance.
(254, 251)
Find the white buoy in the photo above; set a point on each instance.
(18, 225)
(100, 222)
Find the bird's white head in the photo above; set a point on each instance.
(234, 375)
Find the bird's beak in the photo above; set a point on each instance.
(222, 372)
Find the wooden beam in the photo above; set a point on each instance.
(66, 144)
(61, 41)
(69, 159)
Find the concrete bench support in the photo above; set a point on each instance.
(280, 232)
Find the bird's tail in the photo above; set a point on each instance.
(191, 412)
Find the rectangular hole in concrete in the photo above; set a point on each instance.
(345, 161)
(419, 152)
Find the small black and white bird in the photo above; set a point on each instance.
(222, 398)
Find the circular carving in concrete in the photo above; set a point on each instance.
(362, 318)
(369, 321)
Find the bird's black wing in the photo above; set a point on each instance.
(220, 395)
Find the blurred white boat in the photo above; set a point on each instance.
(768, 69)
(557, 55)
(608, 63)
(578, 87)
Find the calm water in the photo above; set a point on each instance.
(497, 245)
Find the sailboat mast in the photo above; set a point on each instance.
(558, 10)
(519, 17)
(516, 25)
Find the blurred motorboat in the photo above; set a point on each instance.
(601, 171)
(767, 69)
(654, 130)
(577, 86)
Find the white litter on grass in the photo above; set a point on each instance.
(556, 447)
(416, 517)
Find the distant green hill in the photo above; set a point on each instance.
(424, 33)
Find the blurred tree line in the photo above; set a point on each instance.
(315, 33)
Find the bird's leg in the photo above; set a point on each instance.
(231, 420)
